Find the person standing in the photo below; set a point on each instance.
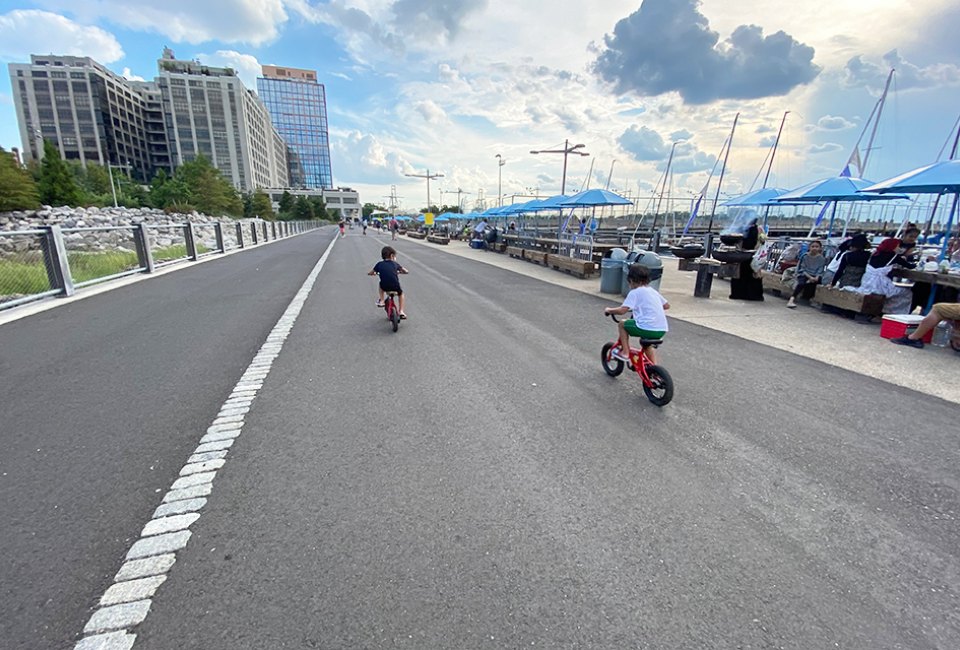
(748, 286)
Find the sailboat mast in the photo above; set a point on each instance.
(723, 170)
(663, 188)
(876, 123)
(776, 143)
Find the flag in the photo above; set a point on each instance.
(693, 214)
(854, 160)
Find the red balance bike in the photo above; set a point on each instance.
(392, 307)
(657, 383)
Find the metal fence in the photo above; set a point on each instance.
(54, 261)
(579, 247)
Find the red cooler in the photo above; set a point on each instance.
(893, 326)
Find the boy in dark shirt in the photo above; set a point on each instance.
(389, 271)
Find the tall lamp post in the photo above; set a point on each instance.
(566, 151)
(428, 176)
(500, 163)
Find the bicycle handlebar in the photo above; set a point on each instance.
(614, 317)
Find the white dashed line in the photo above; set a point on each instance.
(127, 602)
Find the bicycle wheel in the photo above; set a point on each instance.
(661, 390)
(612, 366)
(395, 318)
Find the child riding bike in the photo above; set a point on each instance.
(649, 321)
(389, 271)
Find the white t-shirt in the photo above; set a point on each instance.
(646, 303)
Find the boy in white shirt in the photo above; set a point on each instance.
(649, 320)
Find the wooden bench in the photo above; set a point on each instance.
(773, 282)
(497, 247)
(868, 304)
(515, 251)
(413, 234)
(438, 239)
(535, 256)
(579, 268)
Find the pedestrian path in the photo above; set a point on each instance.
(806, 331)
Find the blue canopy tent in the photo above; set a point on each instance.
(833, 190)
(765, 197)
(591, 199)
(938, 178)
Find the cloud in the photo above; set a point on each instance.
(643, 144)
(25, 32)
(828, 147)
(430, 111)
(833, 123)
(340, 75)
(687, 158)
(682, 134)
(129, 76)
(362, 155)
(859, 73)
(767, 142)
(667, 45)
(247, 66)
(764, 128)
(191, 21)
(425, 16)
(6, 99)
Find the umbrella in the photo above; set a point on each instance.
(835, 189)
(939, 178)
(764, 197)
(593, 198)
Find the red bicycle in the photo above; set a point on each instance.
(393, 311)
(657, 382)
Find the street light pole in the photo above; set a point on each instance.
(428, 176)
(566, 151)
(500, 163)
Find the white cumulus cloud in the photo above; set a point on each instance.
(247, 66)
(26, 32)
(190, 21)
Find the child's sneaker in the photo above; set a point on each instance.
(379, 304)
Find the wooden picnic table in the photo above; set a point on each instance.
(943, 279)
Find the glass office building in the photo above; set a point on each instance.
(298, 109)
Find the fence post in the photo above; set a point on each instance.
(273, 227)
(55, 260)
(240, 235)
(190, 241)
(218, 231)
(708, 245)
(253, 233)
(141, 238)
(266, 237)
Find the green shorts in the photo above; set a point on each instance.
(651, 335)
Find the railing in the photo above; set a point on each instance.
(54, 261)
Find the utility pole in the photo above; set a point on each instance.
(566, 151)
(500, 163)
(428, 176)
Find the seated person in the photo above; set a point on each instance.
(876, 279)
(940, 311)
(853, 262)
(809, 273)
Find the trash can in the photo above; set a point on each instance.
(611, 275)
(648, 259)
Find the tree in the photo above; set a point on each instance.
(169, 193)
(261, 205)
(319, 208)
(57, 183)
(18, 191)
(303, 209)
(369, 208)
(286, 203)
(210, 193)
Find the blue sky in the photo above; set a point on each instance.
(446, 85)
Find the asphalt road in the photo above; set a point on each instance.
(101, 402)
(474, 480)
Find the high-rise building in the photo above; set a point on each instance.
(298, 108)
(94, 115)
(90, 113)
(209, 112)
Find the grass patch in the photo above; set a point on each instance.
(23, 278)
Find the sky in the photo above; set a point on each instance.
(446, 85)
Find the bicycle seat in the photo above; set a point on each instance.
(391, 293)
(652, 342)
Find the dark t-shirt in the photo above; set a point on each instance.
(389, 271)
